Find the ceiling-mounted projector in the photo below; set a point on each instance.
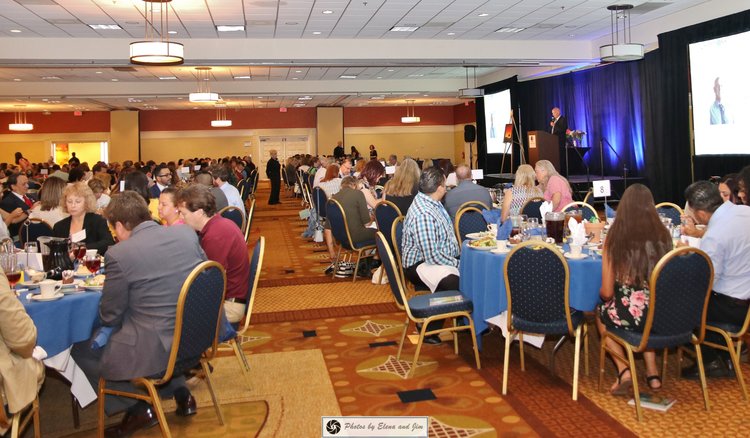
(470, 93)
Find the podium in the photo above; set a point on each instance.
(544, 146)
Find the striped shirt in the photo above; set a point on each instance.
(428, 234)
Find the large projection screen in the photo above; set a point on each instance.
(496, 116)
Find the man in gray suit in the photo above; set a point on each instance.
(465, 191)
(145, 273)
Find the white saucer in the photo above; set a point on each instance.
(28, 284)
(56, 296)
(499, 250)
(570, 256)
(477, 236)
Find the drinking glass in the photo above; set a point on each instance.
(10, 266)
(92, 263)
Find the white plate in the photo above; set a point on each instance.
(501, 250)
(483, 248)
(73, 285)
(56, 296)
(28, 284)
(87, 287)
(572, 257)
(479, 235)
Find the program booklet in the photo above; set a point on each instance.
(446, 300)
(655, 402)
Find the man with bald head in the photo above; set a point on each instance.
(206, 179)
(465, 191)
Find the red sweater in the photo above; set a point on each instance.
(224, 243)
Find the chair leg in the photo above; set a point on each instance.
(576, 363)
(217, 407)
(156, 404)
(474, 341)
(455, 336)
(506, 359)
(102, 395)
(601, 361)
(704, 387)
(634, 377)
(15, 425)
(356, 266)
(336, 262)
(520, 349)
(37, 429)
(403, 338)
(664, 366)
(244, 366)
(585, 349)
(738, 371)
(419, 348)
(679, 362)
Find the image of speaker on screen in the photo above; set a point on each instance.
(558, 125)
(718, 111)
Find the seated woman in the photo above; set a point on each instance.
(370, 176)
(524, 188)
(357, 215)
(49, 208)
(79, 202)
(635, 243)
(331, 183)
(556, 188)
(100, 193)
(403, 187)
(138, 182)
(168, 211)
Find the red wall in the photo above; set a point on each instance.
(391, 116)
(90, 121)
(465, 114)
(187, 120)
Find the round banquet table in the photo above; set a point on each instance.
(481, 276)
(62, 323)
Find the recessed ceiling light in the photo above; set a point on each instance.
(98, 72)
(298, 71)
(316, 33)
(483, 14)
(168, 78)
(304, 98)
(377, 98)
(115, 80)
(328, 11)
(17, 80)
(15, 31)
(415, 76)
(510, 29)
(50, 78)
(180, 98)
(379, 77)
(451, 33)
(390, 69)
(299, 105)
(294, 79)
(291, 23)
(233, 28)
(105, 26)
(404, 28)
(172, 32)
(243, 77)
(261, 97)
(348, 77)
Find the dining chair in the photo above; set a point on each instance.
(468, 220)
(32, 229)
(679, 287)
(253, 180)
(340, 230)
(587, 210)
(18, 422)
(235, 215)
(670, 210)
(531, 208)
(196, 331)
(537, 286)
(732, 335)
(589, 195)
(320, 199)
(424, 309)
(477, 204)
(235, 343)
(386, 212)
(249, 221)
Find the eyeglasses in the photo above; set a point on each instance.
(165, 175)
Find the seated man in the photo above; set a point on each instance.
(223, 243)
(21, 375)
(430, 249)
(357, 216)
(465, 191)
(727, 242)
(145, 273)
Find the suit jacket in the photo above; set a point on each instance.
(466, 191)
(98, 235)
(273, 169)
(9, 203)
(20, 374)
(155, 192)
(139, 300)
(559, 129)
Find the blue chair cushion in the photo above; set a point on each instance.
(364, 243)
(654, 340)
(420, 305)
(727, 327)
(554, 327)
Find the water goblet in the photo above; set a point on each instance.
(9, 262)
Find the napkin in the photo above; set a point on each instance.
(545, 208)
(504, 229)
(226, 331)
(577, 232)
(609, 211)
(492, 216)
(101, 338)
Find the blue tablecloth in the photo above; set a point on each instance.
(482, 281)
(63, 322)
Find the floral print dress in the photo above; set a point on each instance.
(628, 307)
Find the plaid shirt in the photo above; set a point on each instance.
(428, 234)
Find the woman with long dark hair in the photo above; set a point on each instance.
(635, 243)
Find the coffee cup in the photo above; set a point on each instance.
(575, 250)
(492, 228)
(502, 244)
(49, 288)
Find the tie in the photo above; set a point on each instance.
(27, 201)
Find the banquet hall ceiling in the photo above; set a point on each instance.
(308, 52)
